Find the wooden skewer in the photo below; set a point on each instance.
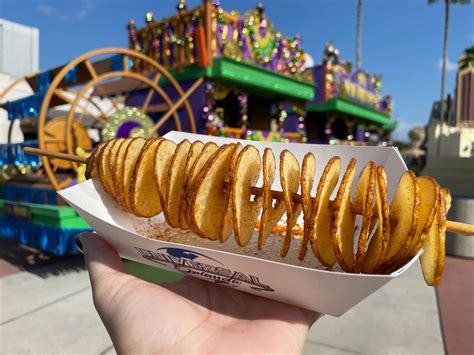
(57, 155)
(451, 226)
(460, 228)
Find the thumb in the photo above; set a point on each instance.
(101, 258)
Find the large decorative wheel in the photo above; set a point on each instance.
(111, 92)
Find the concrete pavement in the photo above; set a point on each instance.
(50, 312)
(400, 318)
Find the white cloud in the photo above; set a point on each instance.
(47, 10)
(450, 66)
(51, 11)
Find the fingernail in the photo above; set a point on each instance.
(78, 243)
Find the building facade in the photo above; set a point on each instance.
(19, 49)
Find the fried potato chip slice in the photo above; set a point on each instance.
(308, 170)
(208, 207)
(227, 224)
(103, 165)
(429, 190)
(144, 195)
(375, 255)
(193, 153)
(364, 197)
(447, 197)
(131, 156)
(322, 212)
(162, 161)
(384, 176)
(445, 202)
(118, 172)
(363, 184)
(91, 164)
(197, 169)
(404, 215)
(245, 210)
(114, 162)
(271, 214)
(343, 221)
(207, 152)
(430, 256)
(290, 182)
(175, 184)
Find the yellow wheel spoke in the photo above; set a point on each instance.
(155, 81)
(64, 183)
(178, 103)
(63, 95)
(91, 69)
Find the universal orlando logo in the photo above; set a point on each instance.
(196, 264)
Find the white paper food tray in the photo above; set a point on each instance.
(305, 284)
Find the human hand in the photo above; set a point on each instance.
(190, 316)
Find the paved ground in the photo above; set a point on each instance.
(400, 318)
(456, 300)
(48, 309)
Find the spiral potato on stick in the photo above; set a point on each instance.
(212, 191)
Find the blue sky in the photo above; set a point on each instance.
(400, 39)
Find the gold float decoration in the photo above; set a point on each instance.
(81, 169)
(128, 122)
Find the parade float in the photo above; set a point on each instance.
(252, 75)
(348, 107)
(203, 70)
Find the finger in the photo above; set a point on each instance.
(101, 258)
